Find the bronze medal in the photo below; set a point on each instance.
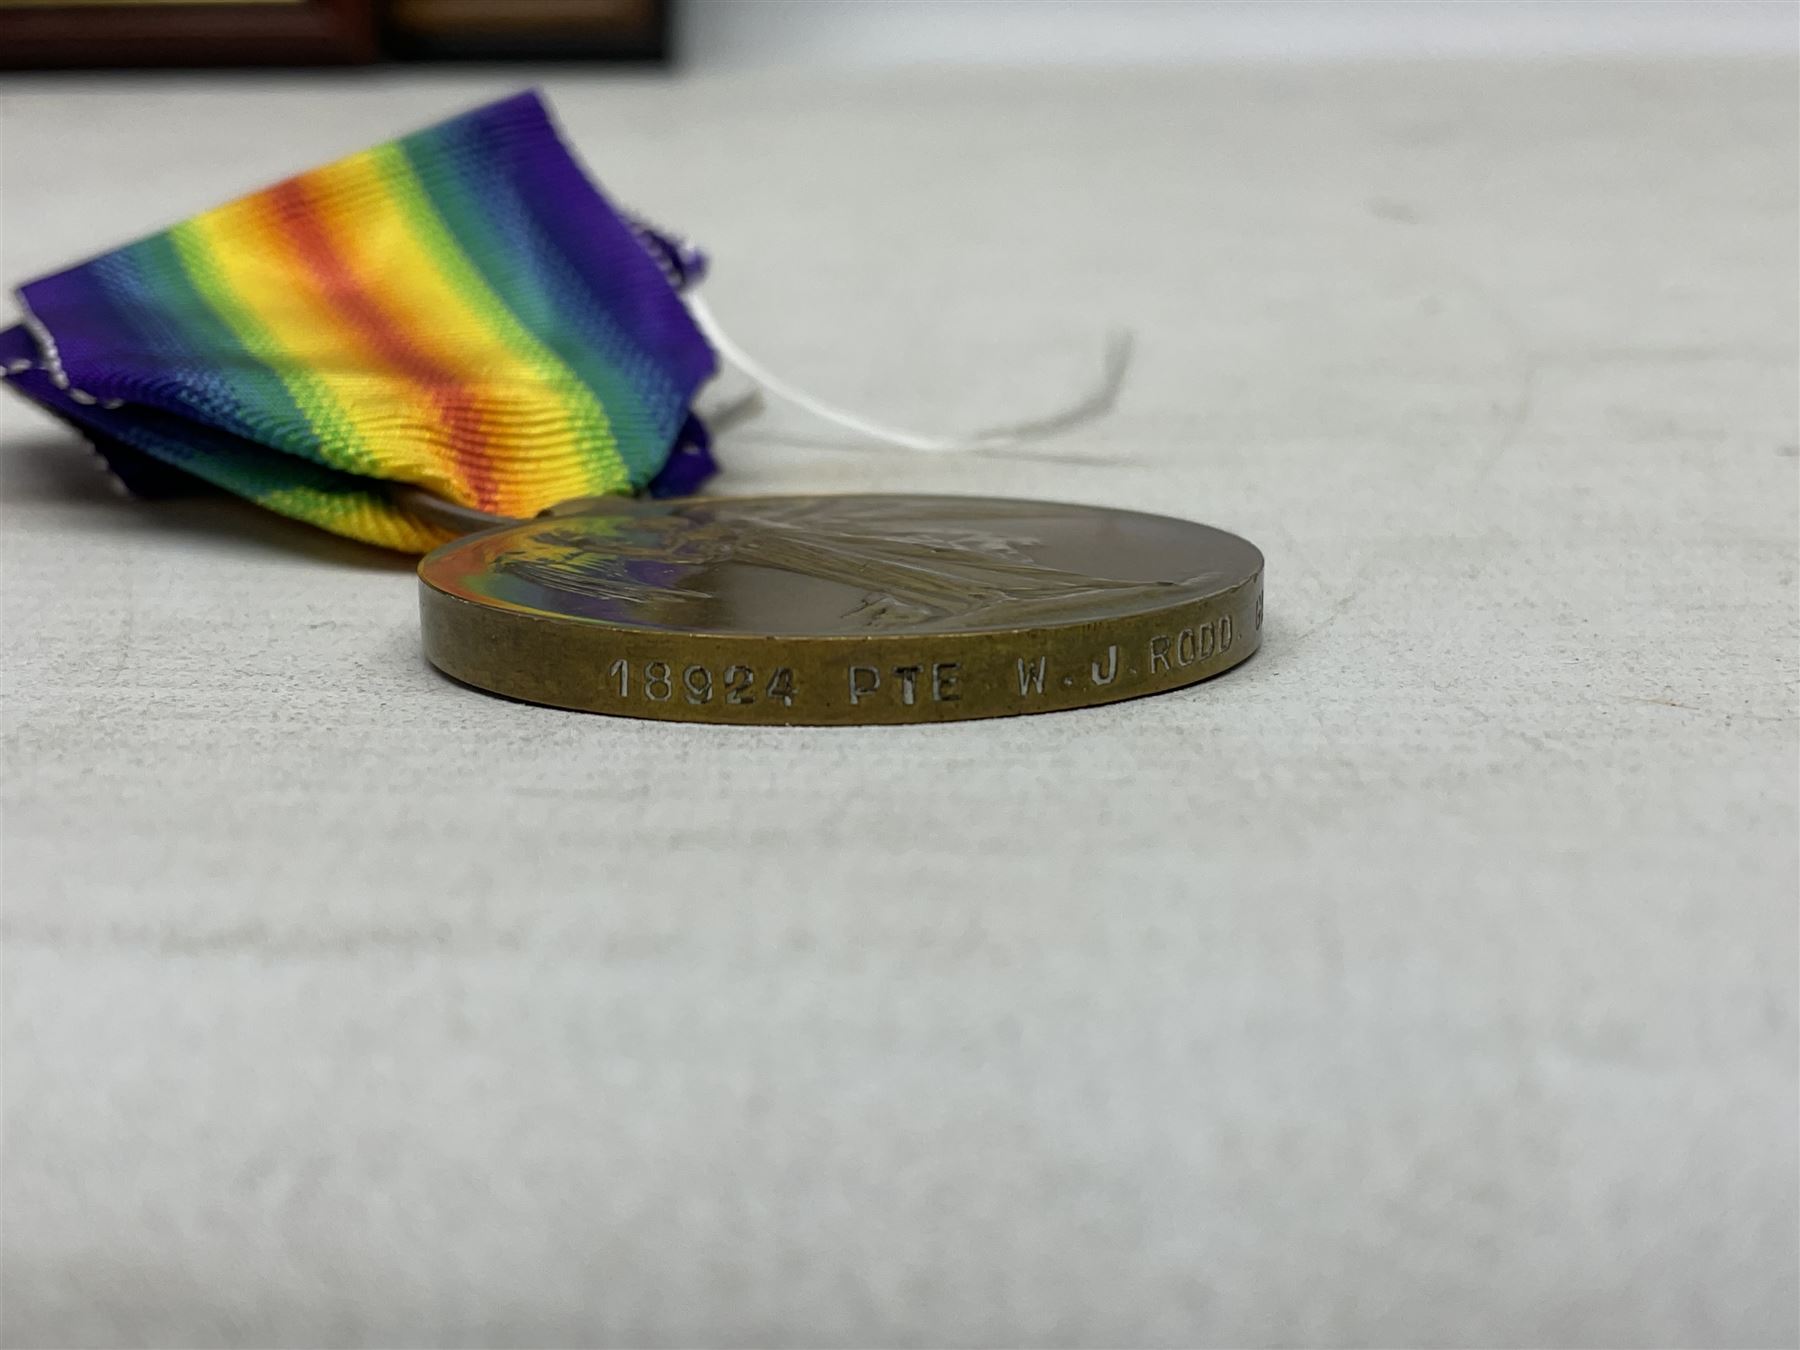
(838, 610)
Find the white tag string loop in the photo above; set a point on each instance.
(1094, 403)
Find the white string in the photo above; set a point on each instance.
(1097, 401)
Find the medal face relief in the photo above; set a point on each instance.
(839, 609)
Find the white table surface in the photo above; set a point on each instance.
(1429, 980)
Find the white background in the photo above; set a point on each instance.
(740, 33)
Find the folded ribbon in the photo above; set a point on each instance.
(460, 310)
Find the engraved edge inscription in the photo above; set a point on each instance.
(891, 678)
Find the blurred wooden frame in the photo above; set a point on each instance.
(47, 35)
(534, 29)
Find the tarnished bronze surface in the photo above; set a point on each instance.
(850, 609)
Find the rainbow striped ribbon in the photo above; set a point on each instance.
(460, 309)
